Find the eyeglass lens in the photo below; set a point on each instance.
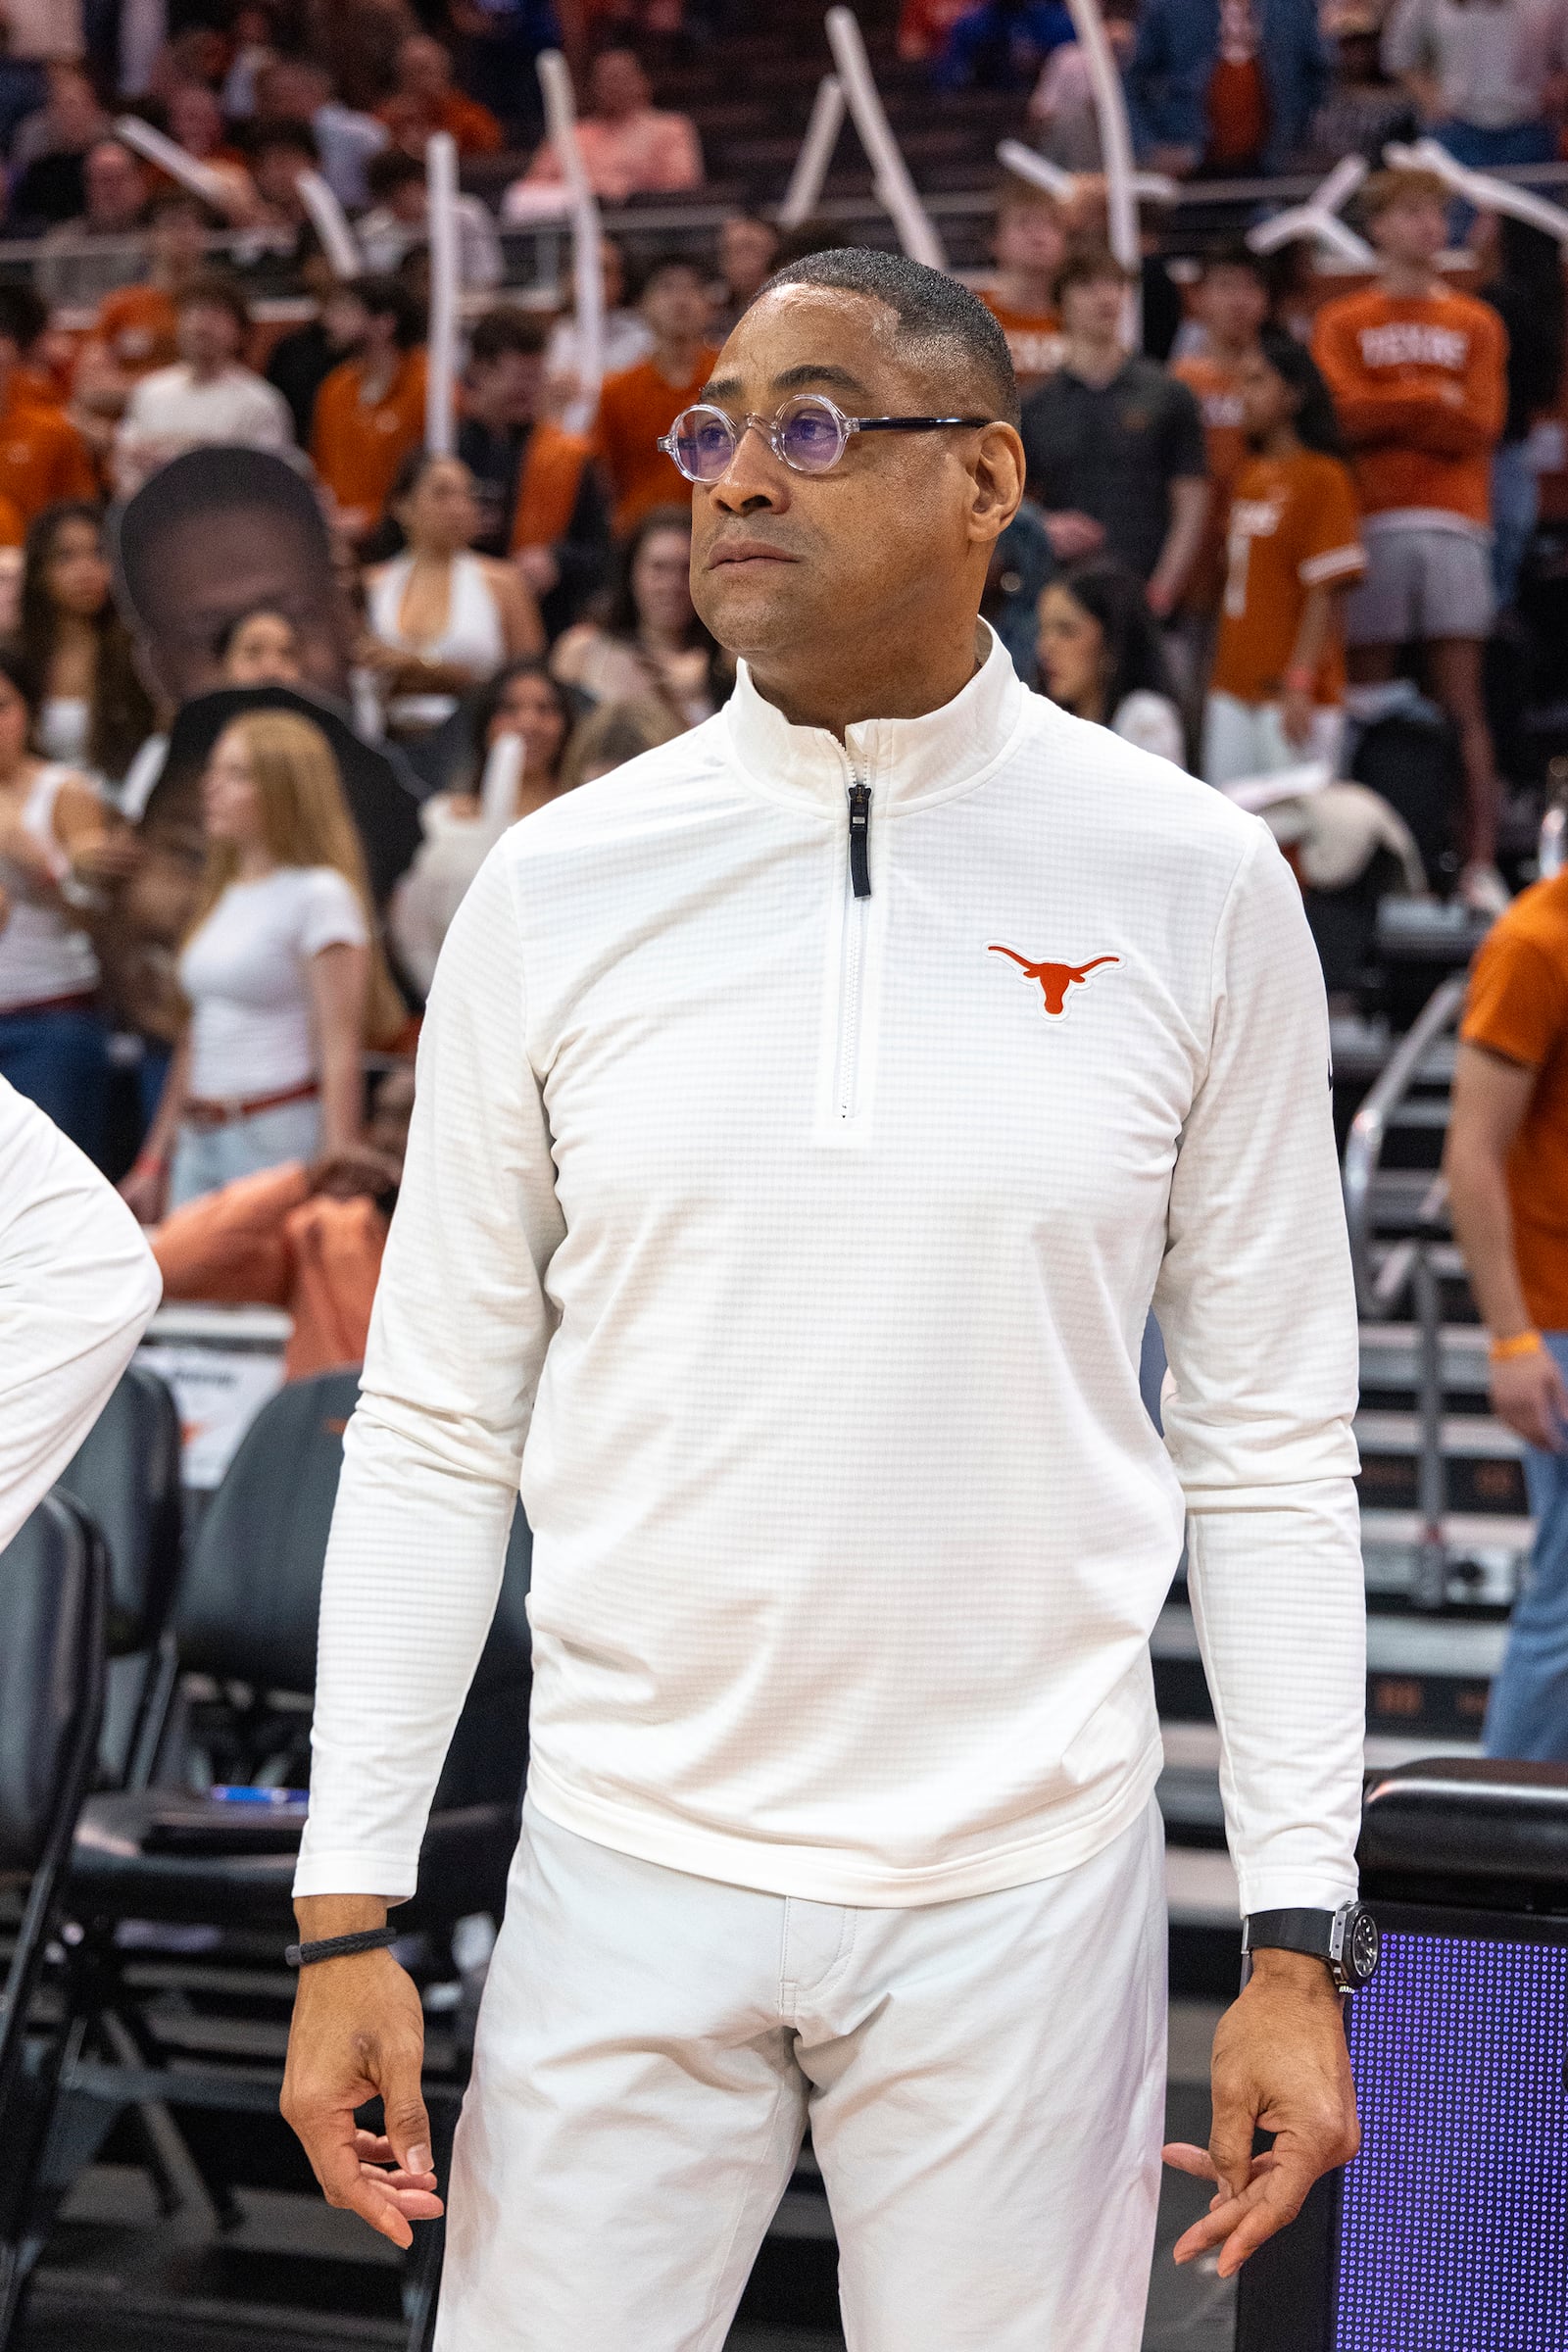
(809, 435)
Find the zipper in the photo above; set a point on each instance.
(857, 918)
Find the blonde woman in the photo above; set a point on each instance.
(280, 969)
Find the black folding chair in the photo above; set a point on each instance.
(125, 1475)
(54, 1579)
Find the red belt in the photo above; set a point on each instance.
(82, 1000)
(223, 1114)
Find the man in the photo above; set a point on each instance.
(1030, 243)
(424, 101)
(207, 396)
(1419, 379)
(1230, 303)
(307, 1239)
(747, 244)
(1492, 91)
(78, 1289)
(628, 147)
(539, 499)
(47, 153)
(1506, 1153)
(83, 260)
(300, 361)
(290, 90)
(641, 402)
(1225, 86)
(1114, 446)
(369, 413)
(42, 457)
(821, 1275)
(399, 220)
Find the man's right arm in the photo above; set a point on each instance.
(424, 1506)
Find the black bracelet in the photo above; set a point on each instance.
(341, 1947)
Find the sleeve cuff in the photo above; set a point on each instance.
(1283, 1889)
(357, 1871)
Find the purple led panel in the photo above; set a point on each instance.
(1454, 2230)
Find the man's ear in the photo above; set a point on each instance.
(998, 476)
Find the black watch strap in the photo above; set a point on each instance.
(1290, 1931)
(341, 1947)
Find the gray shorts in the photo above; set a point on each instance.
(1421, 582)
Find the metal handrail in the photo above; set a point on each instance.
(1363, 1150)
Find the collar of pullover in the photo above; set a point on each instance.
(906, 761)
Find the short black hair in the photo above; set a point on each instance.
(935, 311)
(1091, 264)
(1235, 256)
(390, 169)
(210, 290)
(389, 298)
(659, 265)
(24, 316)
(507, 329)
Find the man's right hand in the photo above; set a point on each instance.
(1529, 1393)
(357, 2034)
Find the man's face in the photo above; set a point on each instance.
(505, 390)
(782, 561)
(617, 85)
(210, 567)
(1233, 304)
(114, 187)
(675, 305)
(1093, 308)
(1030, 236)
(424, 69)
(1413, 232)
(208, 334)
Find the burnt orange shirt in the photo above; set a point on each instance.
(137, 324)
(13, 531)
(474, 126)
(1213, 386)
(1420, 385)
(358, 446)
(1034, 338)
(1518, 1007)
(634, 408)
(42, 457)
(1292, 528)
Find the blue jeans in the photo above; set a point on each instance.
(1527, 1714)
(1515, 508)
(206, 1159)
(1484, 150)
(60, 1060)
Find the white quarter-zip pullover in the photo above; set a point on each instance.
(796, 1246)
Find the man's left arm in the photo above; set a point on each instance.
(1187, 464)
(1258, 1307)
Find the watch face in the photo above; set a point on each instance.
(1361, 1948)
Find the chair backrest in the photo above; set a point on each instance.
(249, 1600)
(125, 1475)
(54, 1579)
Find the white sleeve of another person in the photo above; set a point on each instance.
(78, 1287)
(1258, 1307)
(431, 1457)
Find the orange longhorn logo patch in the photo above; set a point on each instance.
(1055, 978)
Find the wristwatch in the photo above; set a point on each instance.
(1346, 1939)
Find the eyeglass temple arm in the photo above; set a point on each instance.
(908, 425)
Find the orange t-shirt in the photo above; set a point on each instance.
(634, 408)
(42, 457)
(137, 324)
(1518, 1007)
(13, 531)
(357, 446)
(1034, 338)
(1292, 528)
(474, 126)
(1212, 384)
(1420, 385)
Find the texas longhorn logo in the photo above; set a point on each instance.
(1055, 978)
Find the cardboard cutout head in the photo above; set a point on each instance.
(214, 534)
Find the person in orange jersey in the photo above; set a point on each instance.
(1276, 697)
(306, 1238)
(42, 457)
(369, 413)
(1418, 375)
(643, 402)
(1030, 244)
(425, 100)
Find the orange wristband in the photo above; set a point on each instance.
(1523, 1342)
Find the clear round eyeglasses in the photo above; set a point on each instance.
(810, 434)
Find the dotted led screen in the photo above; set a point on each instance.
(1454, 2231)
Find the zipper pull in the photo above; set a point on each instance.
(861, 838)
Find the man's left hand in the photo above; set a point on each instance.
(1280, 2065)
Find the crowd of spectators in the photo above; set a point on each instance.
(1253, 493)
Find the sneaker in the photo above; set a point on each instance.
(1482, 890)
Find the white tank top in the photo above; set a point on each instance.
(472, 638)
(43, 953)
